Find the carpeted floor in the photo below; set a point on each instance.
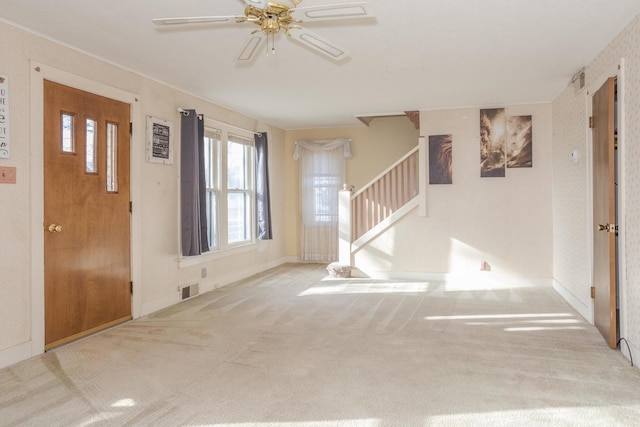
(287, 348)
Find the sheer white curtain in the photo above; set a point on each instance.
(322, 174)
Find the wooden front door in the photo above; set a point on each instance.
(604, 212)
(87, 262)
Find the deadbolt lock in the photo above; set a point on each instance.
(54, 228)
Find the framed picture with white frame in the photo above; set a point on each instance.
(159, 141)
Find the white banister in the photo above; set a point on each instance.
(387, 170)
(380, 198)
(375, 203)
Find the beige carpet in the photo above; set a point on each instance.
(287, 348)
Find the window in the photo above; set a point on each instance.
(326, 188)
(91, 165)
(229, 169)
(322, 171)
(68, 128)
(239, 188)
(112, 158)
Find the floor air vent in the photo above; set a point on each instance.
(189, 291)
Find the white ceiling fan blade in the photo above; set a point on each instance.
(318, 43)
(260, 4)
(251, 47)
(197, 20)
(333, 11)
(263, 4)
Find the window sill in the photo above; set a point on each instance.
(185, 262)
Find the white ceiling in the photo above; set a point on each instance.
(415, 54)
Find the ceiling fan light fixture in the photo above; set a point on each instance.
(270, 26)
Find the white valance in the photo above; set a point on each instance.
(323, 145)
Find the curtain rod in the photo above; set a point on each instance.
(186, 113)
(348, 139)
(182, 110)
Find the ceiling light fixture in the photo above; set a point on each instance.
(272, 17)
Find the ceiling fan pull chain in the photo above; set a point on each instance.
(267, 44)
(273, 44)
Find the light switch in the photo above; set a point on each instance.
(7, 175)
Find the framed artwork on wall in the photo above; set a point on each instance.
(492, 142)
(519, 142)
(440, 159)
(159, 141)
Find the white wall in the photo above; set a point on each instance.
(571, 188)
(503, 221)
(156, 270)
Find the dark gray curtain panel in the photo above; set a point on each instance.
(193, 213)
(263, 198)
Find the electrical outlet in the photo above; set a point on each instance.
(204, 272)
(7, 175)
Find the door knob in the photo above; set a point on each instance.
(611, 228)
(54, 228)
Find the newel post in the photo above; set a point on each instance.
(344, 225)
(423, 175)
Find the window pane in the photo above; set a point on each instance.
(236, 166)
(212, 172)
(112, 157)
(67, 133)
(325, 190)
(237, 217)
(211, 166)
(212, 218)
(91, 165)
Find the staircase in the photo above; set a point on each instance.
(384, 200)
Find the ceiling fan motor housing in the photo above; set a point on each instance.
(271, 19)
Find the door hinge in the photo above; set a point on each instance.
(591, 124)
(131, 287)
(593, 292)
(130, 207)
(130, 128)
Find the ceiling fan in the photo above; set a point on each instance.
(273, 17)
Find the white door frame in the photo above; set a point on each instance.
(38, 73)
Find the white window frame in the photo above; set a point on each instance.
(212, 166)
(248, 191)
(222, 248)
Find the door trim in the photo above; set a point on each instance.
(38, 73)
(616, 70)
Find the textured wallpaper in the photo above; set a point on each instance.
(571, 230)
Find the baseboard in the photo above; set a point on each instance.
(585, 311)
(15, 354)
(248, 272)
(461, 281)
(148, 307)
